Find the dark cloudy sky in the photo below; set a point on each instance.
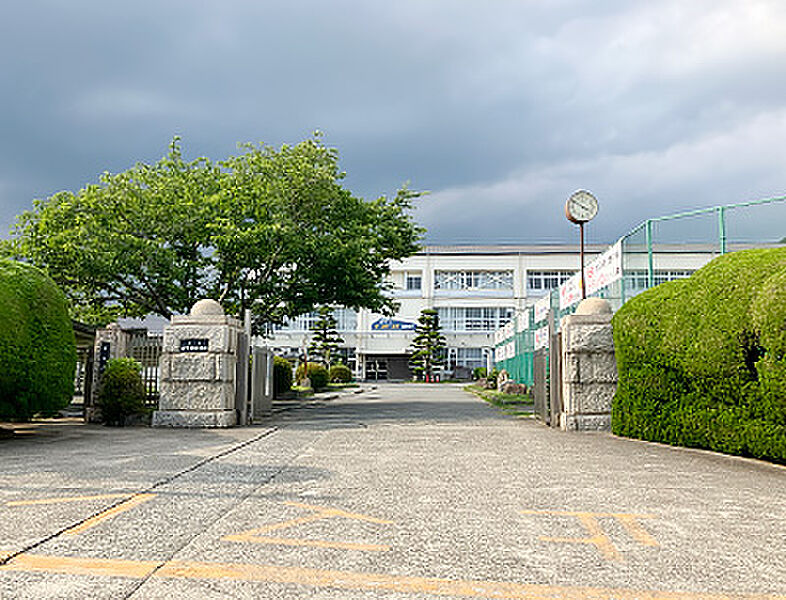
(500, 108)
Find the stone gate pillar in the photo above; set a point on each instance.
(589, 369)
(198, 369)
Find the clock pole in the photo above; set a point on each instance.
(581, 252)
(581, 207)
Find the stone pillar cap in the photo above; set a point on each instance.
(593, 306)
(206, 307)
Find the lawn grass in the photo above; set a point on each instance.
(512, 404)
(341, 386)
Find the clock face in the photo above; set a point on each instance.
(581, 207)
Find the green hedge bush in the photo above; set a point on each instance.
(340, 374)
(282, 376)
(37, 346)
(121, 392)
(702, 360)
(317, 373)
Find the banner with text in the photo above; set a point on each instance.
(542, 338)
(601, 272)
(542, 307)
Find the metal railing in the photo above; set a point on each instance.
(658, 250)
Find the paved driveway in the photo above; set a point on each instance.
(405, 491)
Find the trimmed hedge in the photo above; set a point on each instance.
(37, 346)
(702, 361)
(317, 373)
(340, 374)
(121, 393)
(282, 376)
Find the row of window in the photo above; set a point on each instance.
(463, 280)
(488, 280)
(639, 280)
(473, 280)
(537, 281)
(547, 280)
(472, 318)
(346, 320)
(452, 318)
(466, 357)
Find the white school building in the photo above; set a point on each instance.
(475, 289)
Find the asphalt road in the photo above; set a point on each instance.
(405, 491)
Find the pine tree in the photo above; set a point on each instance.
(325, 341)
(428, 346)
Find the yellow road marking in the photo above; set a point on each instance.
(257, 536)
(108, 514)
(335, 512)
(108, 567)
(351, 581)
(636, 529)
(307, 543)
(63, 500)
(597, 537)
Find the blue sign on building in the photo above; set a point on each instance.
(392, 325)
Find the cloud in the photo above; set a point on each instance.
(719, 167)
(126, 103)
(497, 110)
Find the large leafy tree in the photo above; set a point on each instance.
(428, 345)
(273, 230)
(325, 339)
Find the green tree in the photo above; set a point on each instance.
(272, 230)
(133, 244)
(325, 340)
(428, 346)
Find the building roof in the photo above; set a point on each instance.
(510, 249)
(481, 249)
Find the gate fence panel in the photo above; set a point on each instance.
(146, 348)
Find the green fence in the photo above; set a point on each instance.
(639, 260)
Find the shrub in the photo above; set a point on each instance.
(702, 361)
(282, 376)
(491, 380)
(317, 373)
(121, 393)
(340, 374)
(478, 373)
(37, 347)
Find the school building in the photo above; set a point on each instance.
(475, 289)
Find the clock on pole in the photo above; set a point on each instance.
(581, 207)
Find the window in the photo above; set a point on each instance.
(637, 281)
(473, 280)
(541, 281)
(471, 318)
(346, 320)
(466, 357)
(413, 281)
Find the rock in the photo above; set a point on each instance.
(511, 387)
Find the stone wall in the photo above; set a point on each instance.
(589, 369)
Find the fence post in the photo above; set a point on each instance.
(722, 228)
(650, 263)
